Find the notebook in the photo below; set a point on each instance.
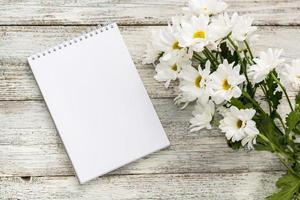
(98, 103)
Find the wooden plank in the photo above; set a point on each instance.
(17, 82)
(229, 186)
(29, 146)
(60, 12)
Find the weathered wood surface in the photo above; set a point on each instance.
(18, 42)
(266, 12)
(33, 163)
(29, 145)
(231, 186)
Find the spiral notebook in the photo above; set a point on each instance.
(98, 102)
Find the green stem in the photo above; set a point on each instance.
(240, 59)
(282, 159)
(217, 55)
(279, 154)
(281, 121)
(211, 60)
(249, 49)
(264, 138)
(245, 94)
(249, 60)
(283, 89)
(209, 53)
(198, 57)
(264, 89)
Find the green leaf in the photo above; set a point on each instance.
(272, 94)
(289, 188)
(297, 129)
(298, 98)
(240, 103)
(237, 103)
(292, 120)
(226, 53)
(234, 145)
(297, 106)
(296, 165)
(266, 126)
(261, 146)
(198, 60)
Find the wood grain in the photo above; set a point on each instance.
(17, 43)
(70, 12)
(33, 162)
(231, 186)
(29, 146)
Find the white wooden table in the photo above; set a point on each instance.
(33, 162)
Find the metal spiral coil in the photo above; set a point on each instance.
(88, 34)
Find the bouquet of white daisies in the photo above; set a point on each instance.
(207, 53)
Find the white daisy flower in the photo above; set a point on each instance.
(225, 82)
(194, 33)
(203, 115)
(238, 125)
(250, 140)
(152, 53)
(266, 62)
(290, 75)
(164, 43)
(168, 70)
(183, 99)
(168, 41)
(196, 83)
(242, 28)
(220, 26)
(206, 7)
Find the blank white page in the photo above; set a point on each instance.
(98, 103)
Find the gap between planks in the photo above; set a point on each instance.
(133, 24)
(147, 174)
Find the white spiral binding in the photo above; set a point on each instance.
(88, 34)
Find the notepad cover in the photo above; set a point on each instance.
(98, 103)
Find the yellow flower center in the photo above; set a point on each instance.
(199, 34)
(198, 81)
(205, 8)
(176, 45)
(226, 85)
(174, 67)
(239, 123)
